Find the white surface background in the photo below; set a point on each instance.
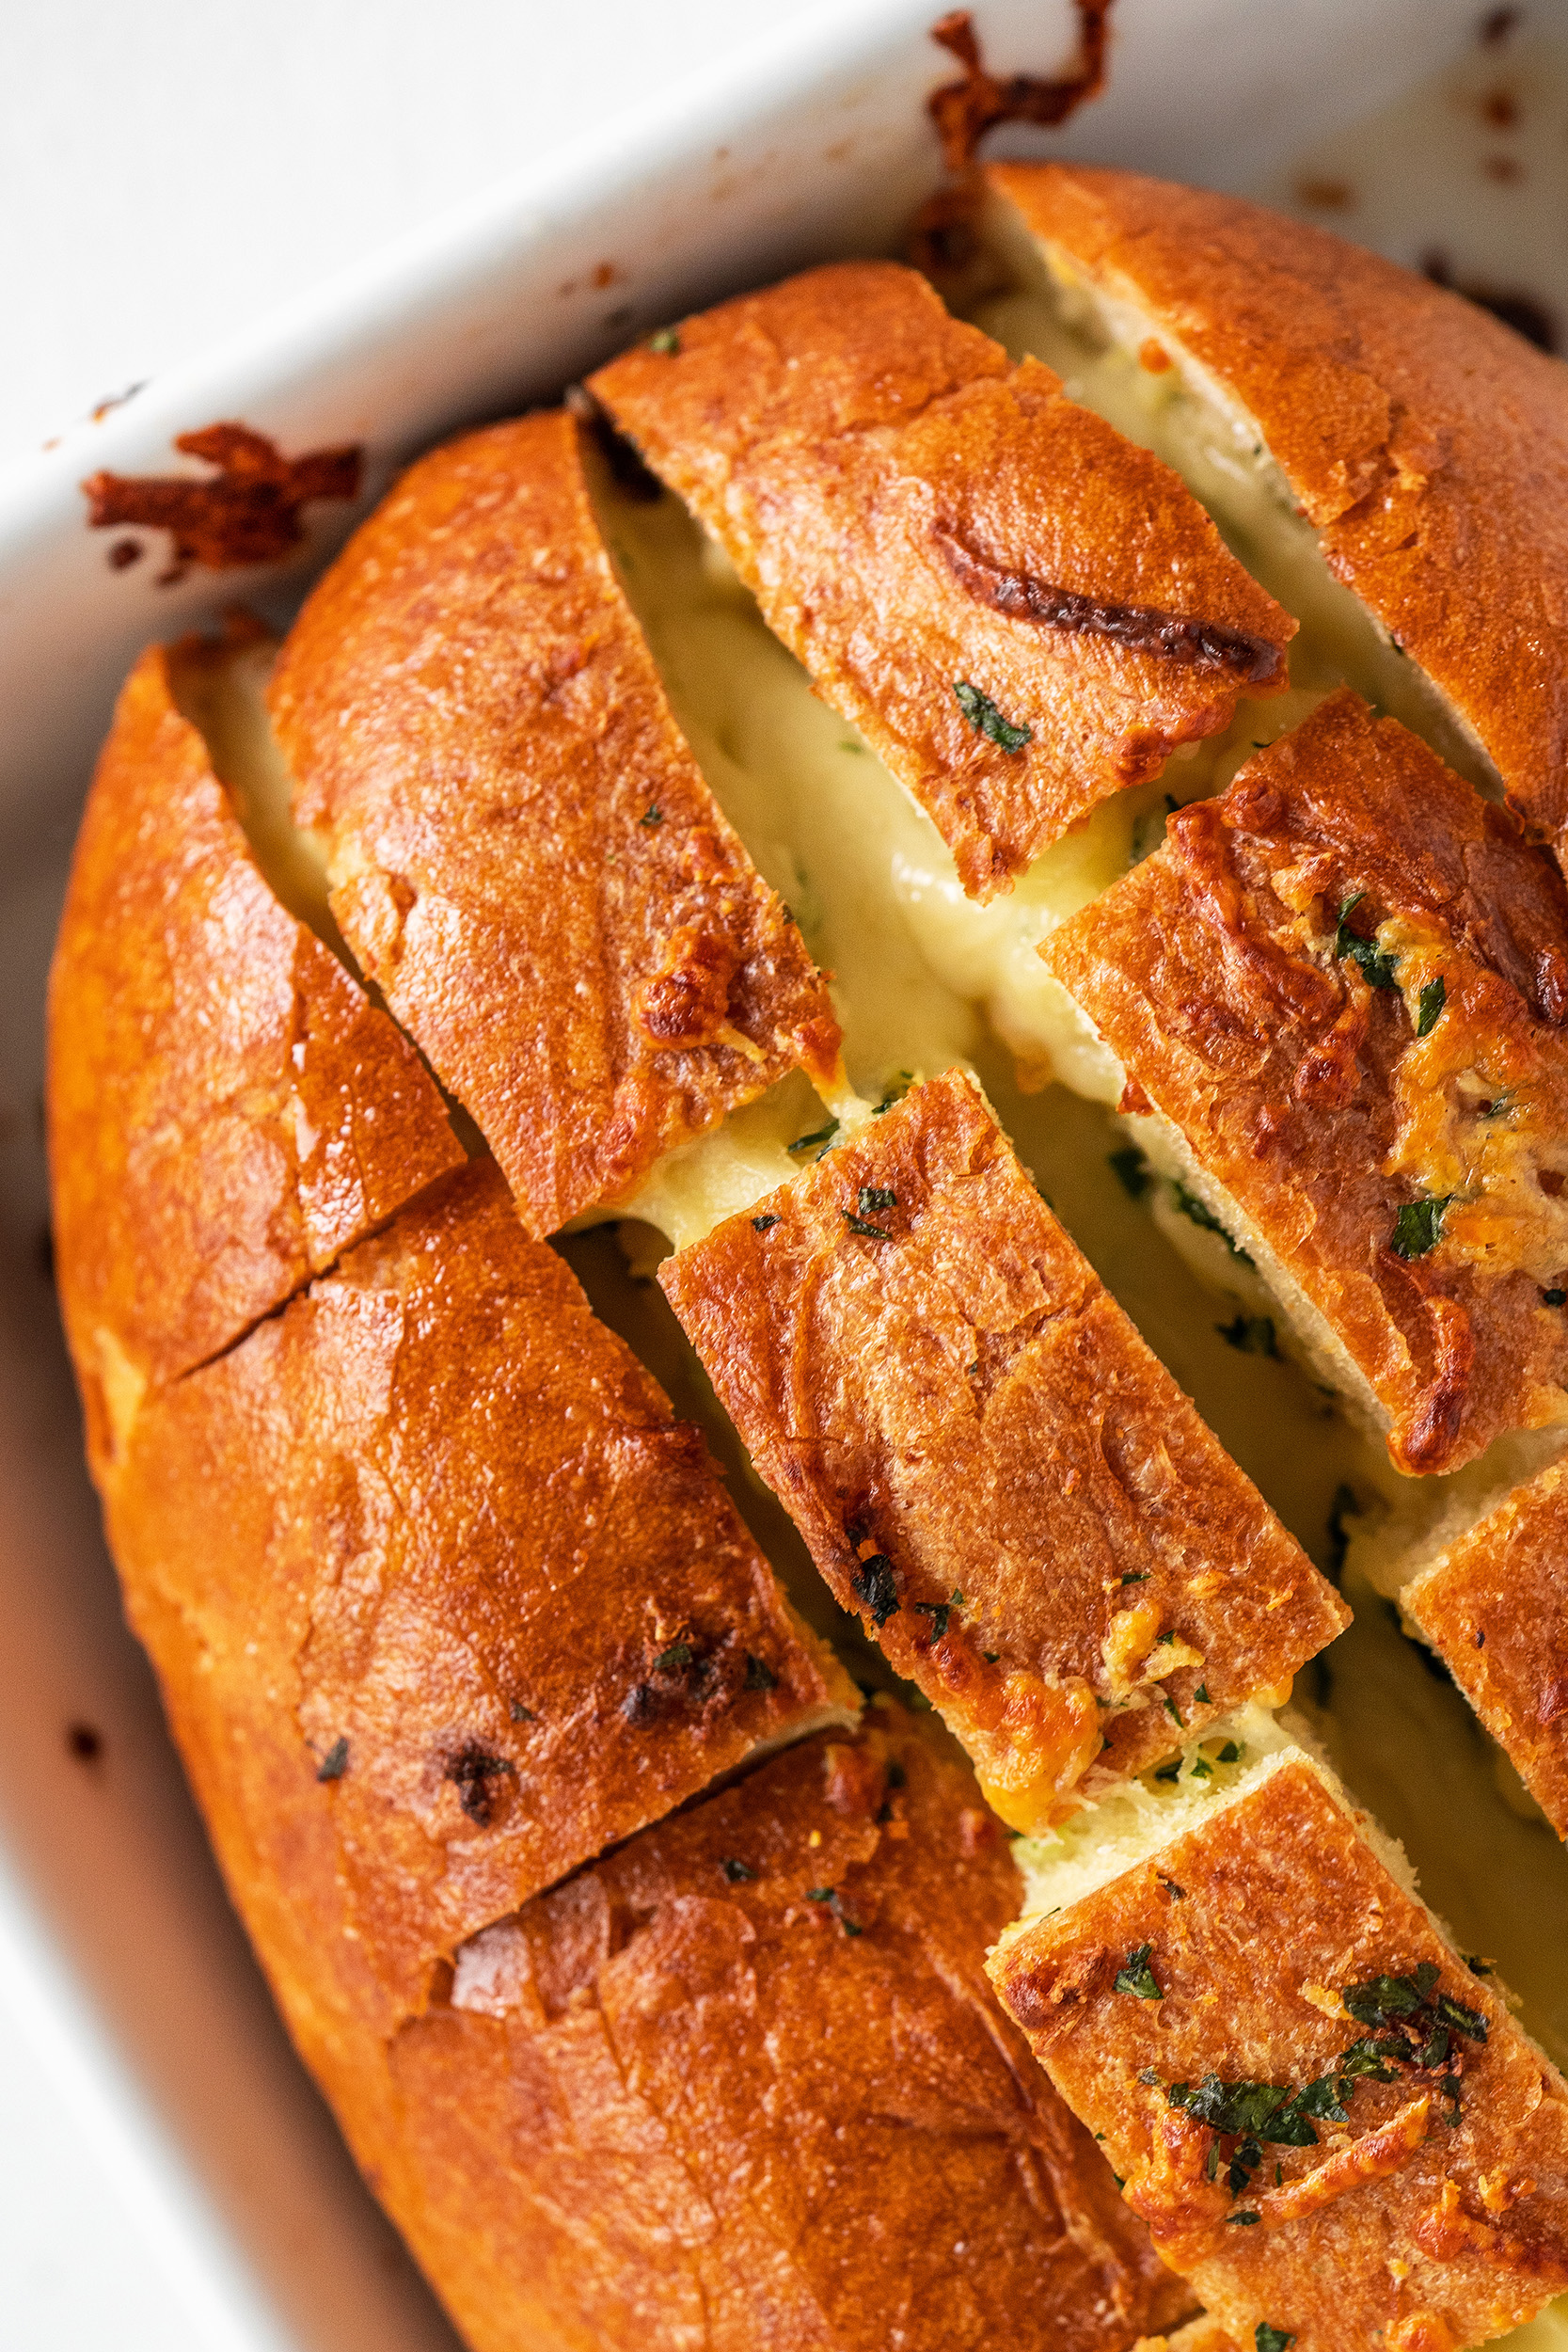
(169, 170)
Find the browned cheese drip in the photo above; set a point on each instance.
(1192, 644)
(248, 512)
(965, 110)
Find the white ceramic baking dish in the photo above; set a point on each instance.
(117, 1955)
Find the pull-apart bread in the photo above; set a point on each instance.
(641, 824)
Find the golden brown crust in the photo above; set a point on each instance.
(912, 512)
(525, 856)
(1494, 1607)
(1442, 2193)
(1307, 1094)
(700, 2100)
(439, 1539)
(227, 1109)
(987, 1462)
(1427, 442)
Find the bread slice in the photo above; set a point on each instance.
(522, 852)
(1344, 985)
(987, 1461)
(227, 1111)
(744, 2083)
(1425, 445)
(1494, 1607)
(438, 1567)
(1331, 2126)
(1022, 613)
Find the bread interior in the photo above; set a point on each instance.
(1037, 302)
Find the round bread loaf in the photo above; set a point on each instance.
(710, 809)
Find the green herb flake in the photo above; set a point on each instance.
(1202, 1769)
(876, 1585)
(653, 815)
(1554, 1297)
(1137, 1575)
(985, 718)
(759, 1674)
(666, 341)
(1135, 1976)
(819, 1134)
(859, 1225)
(1203, 1216)
(1377, 967)
(1243, 2220)
(1252, 1335)
(1418, 1226)
(1131, 1170)
(763, 1224)
(1200, 1696)
(875, 1197)
(678, 1654)
(333, 1764)
(521, 1714)
(1477, 1966)
(990, 1656)
(894, 1091)
(1429, 1005)
(1169, 1772)
(1171, 1710)
(820, 1894)
(1267, 2339)
(736, 1872)
(939, 1612)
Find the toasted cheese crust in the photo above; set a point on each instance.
(1494, 1607)
(523, 852)
(1343, 981)
(743, 2085)
(914, 515)
(1424, 2180)
(449, 1517)
(1427, 442)
(987, 1461)
(227, 1111)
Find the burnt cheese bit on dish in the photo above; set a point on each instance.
(227, 1109)
(454, 1569)
(1330, 2124)
(1423, 444)
(1021, 611)
(744, 2081)
(988, 1463)
(1494, 1605)
(1342, 986)
(523, 854)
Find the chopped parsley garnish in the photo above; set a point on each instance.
(1377, 967)
(1387, 1999)
(1418, 1226)
(1171, 1709)
(1253, 1335)
(1269, 2339)
(666, 341)
(895, 1092)
(1429, 1005)
(736, 1872)
(1131, 1170)
(1169, 1772)
(678, 1654)
(820, 1894)
(985, 718)
(1230, 1752)
(1202, 1769)
(1203, 1216)
(859, 1225)
(759, 1674)
(1200, 1696)
(1244, 2220)
(831, 1896)
(333, 1764)
(875, 1584)
(1554, 1297)
(819, 1134)
(521, 1714)
(939, 1612)
(763, 1224)
(1477, 1966)
(875, 1197)
(652, 816)
(1137, 1575)
(1136, 1975)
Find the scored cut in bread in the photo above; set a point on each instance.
(1424, 443)
(1342, 985)
(1022, 611)
(227, 1111)
(989, 1463)
(744, 2083)
(1494, 1605)
(440, 1521)
(523, 854)
(1331, 2124)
